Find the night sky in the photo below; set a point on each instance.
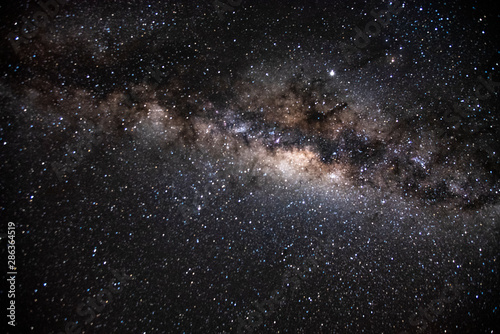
(251, 166)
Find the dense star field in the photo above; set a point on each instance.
(251, 166)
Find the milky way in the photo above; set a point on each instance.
(210, 151)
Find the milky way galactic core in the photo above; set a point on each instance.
(250, 167)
